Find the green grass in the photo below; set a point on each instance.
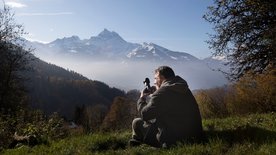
(253, 134)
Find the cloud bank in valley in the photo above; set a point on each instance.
(130, 75)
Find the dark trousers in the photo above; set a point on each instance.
(145, 132)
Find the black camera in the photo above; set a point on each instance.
(147, 83)
(148, 88)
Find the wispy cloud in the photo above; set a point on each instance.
(45, 14)
(15, 5)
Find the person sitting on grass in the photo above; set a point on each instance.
(171, 114)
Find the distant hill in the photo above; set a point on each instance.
(54, 89)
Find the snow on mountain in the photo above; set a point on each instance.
(220, 58)
(151, 51)
(108, 57)
(107, 35)
(217, 63)
(109, 44)
(66, 42)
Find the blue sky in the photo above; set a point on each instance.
(174, 24)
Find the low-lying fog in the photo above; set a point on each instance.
(130, 75)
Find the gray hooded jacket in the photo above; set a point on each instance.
(175, 110)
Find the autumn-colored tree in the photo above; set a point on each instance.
(211, 102)
(120, 115)
(133, 95)
(95, 116)
(253, 94)
(90, 117)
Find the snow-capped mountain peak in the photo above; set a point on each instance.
(66, 41)
(107, 35)
(109, 44)
(74, 38)
(101, 56)
(148, 46)
(155, 52)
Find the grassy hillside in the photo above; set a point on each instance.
(252, 134)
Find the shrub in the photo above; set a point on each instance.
(31, 123)
(253, 94)
(250, 94)
(211, 102)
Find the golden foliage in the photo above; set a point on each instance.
(211, 102)
(120, 115)
(253, 93)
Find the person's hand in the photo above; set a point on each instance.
(153, 89)
(146, 92)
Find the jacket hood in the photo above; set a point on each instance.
(176, 84)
